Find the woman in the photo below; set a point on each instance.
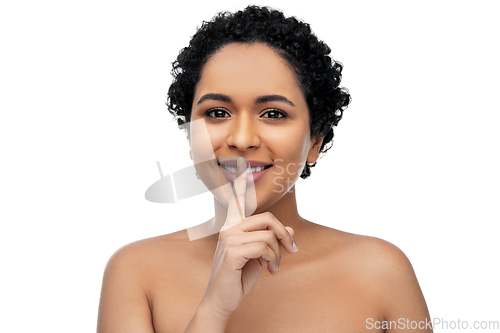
(259, 96)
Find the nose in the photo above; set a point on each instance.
(243, 134)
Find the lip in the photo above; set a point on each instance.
(253, 163)
(251, 177)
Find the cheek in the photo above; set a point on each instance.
(203, 141)
(218, 136)
(291, 155)
(203, 154)
(293, 145)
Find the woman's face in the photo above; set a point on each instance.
(253, 107)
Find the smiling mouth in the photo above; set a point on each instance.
(249, 170)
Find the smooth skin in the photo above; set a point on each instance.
(245, 247)
(336, 282)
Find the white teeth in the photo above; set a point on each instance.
(228, 168)
(249, 170)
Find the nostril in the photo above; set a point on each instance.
(243, 142)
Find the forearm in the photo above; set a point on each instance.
(206, 320)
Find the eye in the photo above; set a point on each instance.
(217, 113)
(274, 114)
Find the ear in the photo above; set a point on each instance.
(314, 150)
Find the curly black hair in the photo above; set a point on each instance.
(317, 72)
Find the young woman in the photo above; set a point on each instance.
(260, 96)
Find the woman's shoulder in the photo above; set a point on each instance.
(365, 255)
(142, 252)
(373, 265)
(372, 250)
(133, 274)
(161, 254)
(374, 270)
(360, 246)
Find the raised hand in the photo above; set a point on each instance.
(245, 247)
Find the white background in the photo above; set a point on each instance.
(83, 122)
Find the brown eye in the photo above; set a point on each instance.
(217, 113)
(274, 114)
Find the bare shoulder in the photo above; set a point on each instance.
(162, 256)
(125, 299)
(375, 253)
(370, 263)
(140, 255)
(381, 270)
(364, 252)
(132, 262)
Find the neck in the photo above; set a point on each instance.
(285, 210)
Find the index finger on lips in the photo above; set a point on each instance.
(240, 186)
(236, 207)
(269, 221)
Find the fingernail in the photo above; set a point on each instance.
(295, 249)
(276, 267)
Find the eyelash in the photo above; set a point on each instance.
(208, 113)
(281, 114)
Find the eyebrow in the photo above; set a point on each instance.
(273, 98)
(258, 100)
(215, 97)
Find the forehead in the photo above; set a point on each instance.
(241, 70)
